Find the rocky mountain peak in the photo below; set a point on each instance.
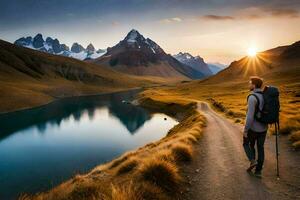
(49, 40)
(24, 41)
(196, 62)
(53, 46)
(90, 48)
(134, 36)
(38, 41)
(77, 48)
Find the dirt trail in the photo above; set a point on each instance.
(218, 171)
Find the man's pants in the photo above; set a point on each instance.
(249, 147)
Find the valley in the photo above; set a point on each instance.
(31, 78)
(226, 93)
(149, 100)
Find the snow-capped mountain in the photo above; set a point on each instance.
(138, 55)
(196, 63)
(136, 42)
(53, 46)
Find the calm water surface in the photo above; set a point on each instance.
(41, 147)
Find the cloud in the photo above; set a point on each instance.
(254, 13)
(170, 20)
(263, 12)
(253, 16)
(177, 19)
(283, 12)
(217, 17)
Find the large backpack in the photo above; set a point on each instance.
(270, 112)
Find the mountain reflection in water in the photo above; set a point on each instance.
(44, 146)
(131, 116)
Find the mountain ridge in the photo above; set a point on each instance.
(141, 56)
(195, 62)
(283, 59)
(53, 46)
(31, 78)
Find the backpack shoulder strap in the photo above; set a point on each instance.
(257, 99)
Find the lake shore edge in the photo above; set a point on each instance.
(127, 174)
(67, 97)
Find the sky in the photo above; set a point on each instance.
(217, 30)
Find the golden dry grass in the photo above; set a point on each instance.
(166, 155)
(161, 173)
(182, 152)
(128, 166)
(143, 191)
(227, 93)
(124, 193)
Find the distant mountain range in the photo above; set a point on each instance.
(196, 63)
(53, 46)
(138, 55)
(135, 55)
(30, 78)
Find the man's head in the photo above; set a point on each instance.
(255, 82)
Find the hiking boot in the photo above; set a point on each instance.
(258, 174)
(253, 164)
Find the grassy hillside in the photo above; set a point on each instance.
(30, 78)
(150, 172)
(158, 69)
(227, 91)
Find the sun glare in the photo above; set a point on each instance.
(251, 51)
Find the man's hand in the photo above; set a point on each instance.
(245, 134)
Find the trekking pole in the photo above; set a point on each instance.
(277, 150)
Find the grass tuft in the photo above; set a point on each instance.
(188, 139)
(182, 152)
(160, 173)
(124, 193)
(120, 160)
(151, 192)
(144, 191)
(127, 166)
(165, 155)
(85, 192)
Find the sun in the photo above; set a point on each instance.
(251, 51)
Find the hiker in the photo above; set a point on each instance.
(255, 131)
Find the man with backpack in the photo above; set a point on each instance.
(263, 109)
